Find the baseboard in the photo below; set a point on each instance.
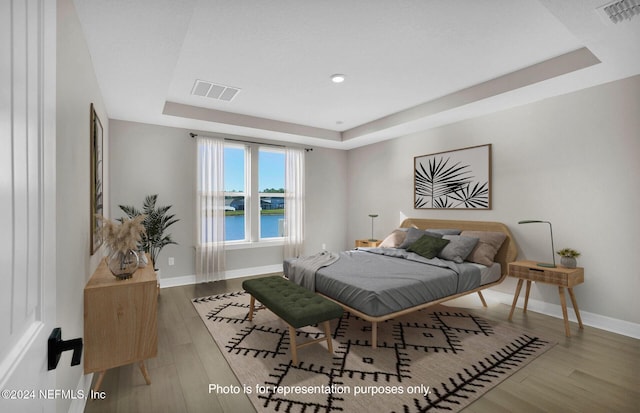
(84, 387)
(177, 281)
(229, 274)
(247, 272)
(613, 325)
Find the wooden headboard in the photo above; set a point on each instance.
(508, 251)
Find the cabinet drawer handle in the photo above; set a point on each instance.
(536, 270)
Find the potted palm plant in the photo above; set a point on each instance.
(156, 222)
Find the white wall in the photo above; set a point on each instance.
(147, 160)
(151, 159)
(76, 89)
(572, 160)
(326, 201)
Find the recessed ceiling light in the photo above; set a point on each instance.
(337, 78)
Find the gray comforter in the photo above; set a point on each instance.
(380, 281)
(302, 270)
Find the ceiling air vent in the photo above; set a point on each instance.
(619, 11)
(214, 91)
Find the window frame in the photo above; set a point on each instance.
(264, 148)
(244, 193)
(252, 197)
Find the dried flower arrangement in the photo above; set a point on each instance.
(122, 236)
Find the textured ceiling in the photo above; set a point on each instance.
(410, 65)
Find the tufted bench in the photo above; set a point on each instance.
(296, 305)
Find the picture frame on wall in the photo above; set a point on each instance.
(457, 179)
(97, 195)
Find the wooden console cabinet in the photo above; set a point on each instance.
(120, 321)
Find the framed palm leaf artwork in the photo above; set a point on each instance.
(97, 207)
(458, 179)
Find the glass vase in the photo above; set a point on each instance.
(122, 264)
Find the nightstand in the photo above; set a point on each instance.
(368, 243)
(562, 277)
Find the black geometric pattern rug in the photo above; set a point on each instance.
(437, 359)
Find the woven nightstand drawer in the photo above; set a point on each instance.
(559, 276)
(535, 274)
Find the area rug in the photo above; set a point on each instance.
(437, 359)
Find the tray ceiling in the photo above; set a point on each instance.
(409, 65)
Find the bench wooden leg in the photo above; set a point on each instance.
(327, 333)
(252, 305)
(294, 347)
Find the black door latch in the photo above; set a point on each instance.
(56, 346)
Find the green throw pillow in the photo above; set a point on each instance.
(427, 246)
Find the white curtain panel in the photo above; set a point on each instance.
(294, 202)
(210, 257)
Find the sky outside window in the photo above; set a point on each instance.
(233, 169)
(270, 170)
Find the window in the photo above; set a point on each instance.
(241, 199)
(234, 192)
(254, 192)
(271, 191)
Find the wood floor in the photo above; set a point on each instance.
(592, 371)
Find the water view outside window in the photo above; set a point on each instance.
(235, 195)
(238, 190)
(271, 188)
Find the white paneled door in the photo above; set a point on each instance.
(27, 203)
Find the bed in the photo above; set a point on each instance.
(377, 284)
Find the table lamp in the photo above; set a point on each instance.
(553, 256)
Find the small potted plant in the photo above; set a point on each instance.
(569, 256)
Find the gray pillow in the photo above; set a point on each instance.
(415, 234)
(445, 231)
(458, 248)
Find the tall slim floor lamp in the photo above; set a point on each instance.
(553, 253)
